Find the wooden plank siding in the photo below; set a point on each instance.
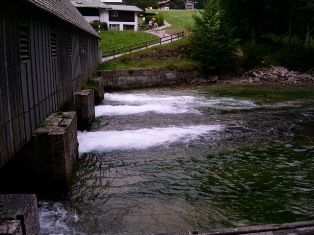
(43, 60)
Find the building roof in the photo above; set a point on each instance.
(125, 8)
(89, 4)
(64, 10)
(112, 1)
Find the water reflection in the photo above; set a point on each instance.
(209, 162)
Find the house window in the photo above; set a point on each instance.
(114, 14)
(53, 36)
(24, 42)
(114, 26)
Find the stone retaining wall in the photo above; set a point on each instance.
(127, 79)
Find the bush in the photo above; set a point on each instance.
(159, 19)
(96, 24)
(215, 54)
(212, 42)
(296, 59)
(253, 55)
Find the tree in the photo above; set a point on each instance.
(211, 42)
(245, 16)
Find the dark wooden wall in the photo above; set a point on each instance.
(43, 60)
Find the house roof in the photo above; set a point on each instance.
(125, 8)
(89, 4)
(64, 10)
(163, 1)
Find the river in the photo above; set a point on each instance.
(191, 157)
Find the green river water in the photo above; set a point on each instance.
(191, 157)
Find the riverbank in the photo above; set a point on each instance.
(132, 79)
(271, 75)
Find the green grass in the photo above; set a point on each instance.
(134, 61)
(113, 39)
(180, 20)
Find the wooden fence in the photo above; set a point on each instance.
(143, 45)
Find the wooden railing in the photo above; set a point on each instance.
(143, 45)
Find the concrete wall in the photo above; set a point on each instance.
(127, 79)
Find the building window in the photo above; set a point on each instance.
(53, 36)
(24, 42)
(114, 14)
(86, 47)
(92, 46)
(81, 49)
(114, 26)
(70, 45)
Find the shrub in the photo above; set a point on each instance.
(159, 19)
(96, 24)
(212, 42)
(253, 55)
(297, 58)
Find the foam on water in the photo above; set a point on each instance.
(125, 104)
(101, 141)
(54, 217)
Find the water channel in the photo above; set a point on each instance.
(191, 157)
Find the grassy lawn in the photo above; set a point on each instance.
(135, 60)
(113, 39)
(180, 20)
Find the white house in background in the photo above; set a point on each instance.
(117, 16)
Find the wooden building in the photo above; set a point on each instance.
(47, 50)
(164, 4)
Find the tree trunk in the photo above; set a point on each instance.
(308, 35)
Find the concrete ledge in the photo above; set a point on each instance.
(10, 227)
(296, 228)
(19, 214)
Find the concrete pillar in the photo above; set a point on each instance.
(84, 105)
(19, 214)
(55, 149)
(99, 90)
(46, 164)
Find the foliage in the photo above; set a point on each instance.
(99, 25)
(177, 4)
(211, 42)
(297, 58)
(253, 55)
(159, 19)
